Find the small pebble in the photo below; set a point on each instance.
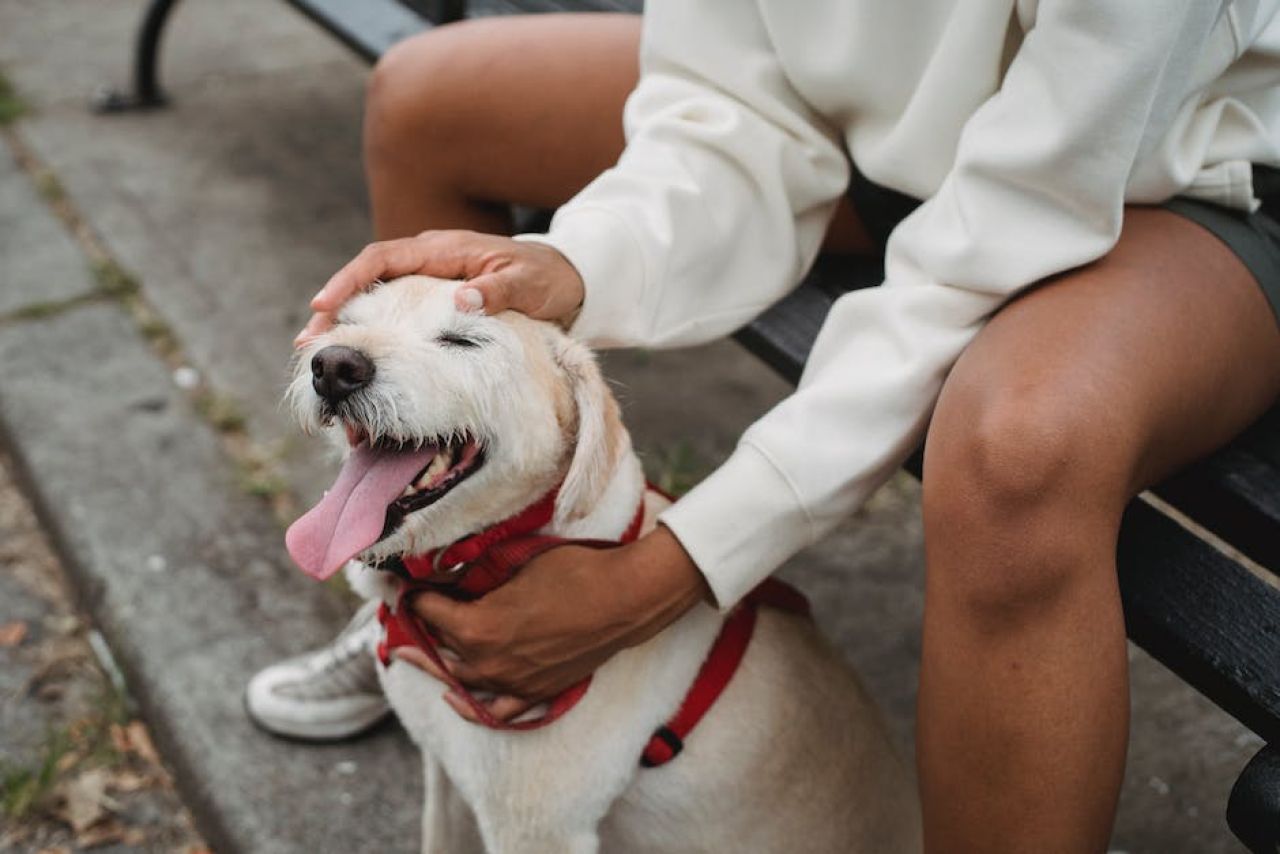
(157, 563)
(1160, 786)
(348, 767)
(186, 377)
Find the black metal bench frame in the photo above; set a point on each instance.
(1207, 615)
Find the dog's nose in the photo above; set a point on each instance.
(338, 371)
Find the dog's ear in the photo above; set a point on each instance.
(598, 434)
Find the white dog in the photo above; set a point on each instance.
(459, 421)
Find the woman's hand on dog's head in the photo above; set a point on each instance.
(500, 274)
(528, 641)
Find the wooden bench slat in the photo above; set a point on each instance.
(1203, 616)
(368, 27)
(1236, 492)
(1255, 803)
(484, 8)
(783, 336)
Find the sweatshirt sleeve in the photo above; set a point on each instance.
(720, 201)
(1037, 187)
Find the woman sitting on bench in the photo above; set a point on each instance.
(1073, 199)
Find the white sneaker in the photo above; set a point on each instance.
(327, 694)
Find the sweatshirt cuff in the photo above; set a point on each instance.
(740, 524)
(600, 246)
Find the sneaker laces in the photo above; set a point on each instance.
(344, 667)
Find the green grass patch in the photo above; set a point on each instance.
(24, 790)
(677, 468)
(261, 483)
(41, 310)
(158, 333)
(87, 742)
(220, 411)
(50, 188)
(113, 280)
(12, 107)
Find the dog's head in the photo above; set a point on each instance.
(453, 421)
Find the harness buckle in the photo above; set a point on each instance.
(450, 572)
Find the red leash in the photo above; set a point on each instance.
(478, 564)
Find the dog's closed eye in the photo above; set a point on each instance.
(451, 339)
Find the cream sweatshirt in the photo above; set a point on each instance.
(1026, 124)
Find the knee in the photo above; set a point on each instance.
(1006, 446)
(1021, 485)
(413, 93)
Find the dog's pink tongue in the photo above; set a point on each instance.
(352, 513)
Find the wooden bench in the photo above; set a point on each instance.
(1211, 615)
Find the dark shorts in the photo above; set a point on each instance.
(1253, 237)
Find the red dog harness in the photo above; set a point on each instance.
(476, 565)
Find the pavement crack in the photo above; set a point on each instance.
(257, 467)
(52, 308)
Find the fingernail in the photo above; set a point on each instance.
(470, 299)
(455, 702)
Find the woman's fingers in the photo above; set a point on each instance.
(458, 670)
(377, 261)
(445, 254)
(507, 707)
(418, 658)
(449, 620)
(461, 706)
(490, 293)
(317, 325)
(504, 707)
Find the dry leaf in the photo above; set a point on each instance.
(12, 634)
(85, 799)
(61, 849)
(103, 833)
(125, 782)
(59, 658)
(50, 692)
(67, 761)
(10, 839)
(62, 624)
(119, 738)
(141, 744)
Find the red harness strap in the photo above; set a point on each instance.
(478, 564)
(721, 663)
(470, 568)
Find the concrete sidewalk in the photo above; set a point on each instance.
(228, 209)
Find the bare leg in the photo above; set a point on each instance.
(464, 120)
(1074, 398)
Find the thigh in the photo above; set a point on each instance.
(520, 109)
(1150, 357)
(524, 109)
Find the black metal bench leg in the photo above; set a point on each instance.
(146, 92)
(1253, 810)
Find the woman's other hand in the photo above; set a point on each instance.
(500, 274)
